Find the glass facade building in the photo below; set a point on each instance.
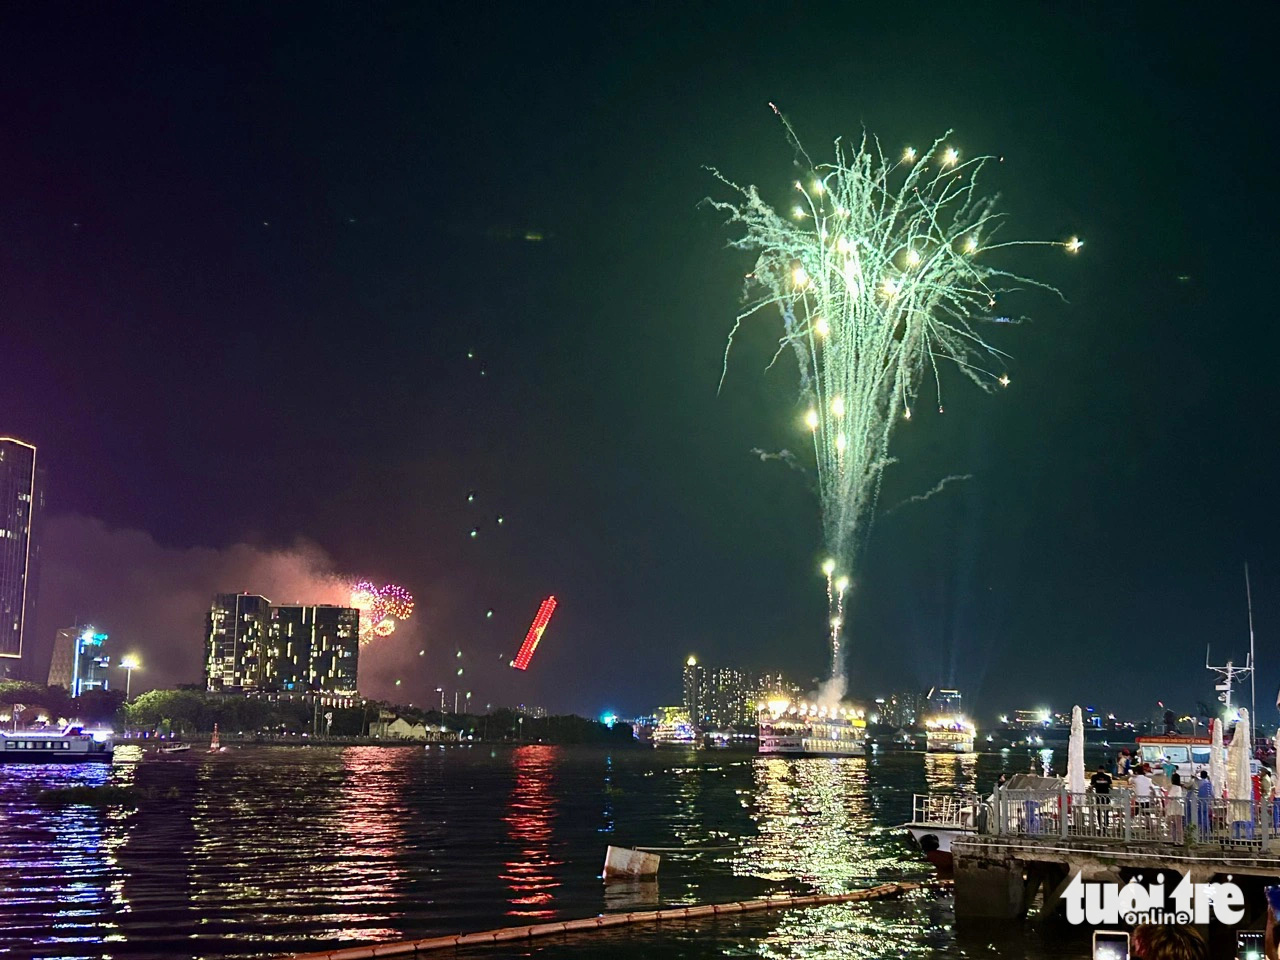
(21, 503)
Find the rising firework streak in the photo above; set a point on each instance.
(536, 629)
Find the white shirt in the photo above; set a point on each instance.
(1142, 785)
(1175, 791)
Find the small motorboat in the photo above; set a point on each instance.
(175, 746)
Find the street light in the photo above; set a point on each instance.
(128, 664)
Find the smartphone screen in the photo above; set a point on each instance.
(1249, 944)
(1110, 945)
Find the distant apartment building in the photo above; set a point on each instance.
(312, 648)
(945, 702)
(695, 691)
(903, 708)
(252, 646)
(62, 663)
(728, 697)
(21, 506)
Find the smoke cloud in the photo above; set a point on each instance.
(153, 599)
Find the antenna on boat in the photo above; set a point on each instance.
(1253, 683)
(1228, 674)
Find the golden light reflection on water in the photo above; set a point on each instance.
(861, 930)
(530, 819)
(375, 831)
(814, 826)
(948, 772)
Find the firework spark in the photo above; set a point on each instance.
(381, 608)
(880, 271)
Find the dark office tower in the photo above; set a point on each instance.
(21, 504)
(312, 649)
(236, 642)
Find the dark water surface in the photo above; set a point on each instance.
(263, 851)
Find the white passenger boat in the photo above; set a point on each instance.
(949, 735)
(810, 730)
(71, 744)
(937, 819)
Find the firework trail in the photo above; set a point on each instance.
(880, 272)
(931, 493)
(381, 608)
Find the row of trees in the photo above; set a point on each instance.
(188, 712)
(27, 702)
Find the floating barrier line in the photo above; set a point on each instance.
(732, 846)
(406, 948)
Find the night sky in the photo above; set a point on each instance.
(245, 254)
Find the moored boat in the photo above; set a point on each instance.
(71, 744)
(937, 819)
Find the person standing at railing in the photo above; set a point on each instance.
(1101, 784)
(1204, 800)
(1142, 787)
(1175, 807)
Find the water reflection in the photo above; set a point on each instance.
(372, 790)
(530, 817)
(814, 827)
(951, 771)
(59, 865)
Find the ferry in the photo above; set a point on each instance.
(72, 744)
(675, 733)
(810, 730)
(949, 735)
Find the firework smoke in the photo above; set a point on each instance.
(879, 271)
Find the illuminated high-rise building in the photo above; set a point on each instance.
(252, 646)
(312, 649)
(235, 641)
(21, 505)
(733, 698)
(80, 660)
(695, 691)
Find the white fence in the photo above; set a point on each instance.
(1123, 817)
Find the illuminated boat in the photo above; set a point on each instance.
(675, 733)
(949, 735)
(71, 744)
(810, 730)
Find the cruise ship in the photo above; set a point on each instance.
(810, 730)
(71, 744)
(949, 735)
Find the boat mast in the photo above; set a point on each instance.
(1253, 682)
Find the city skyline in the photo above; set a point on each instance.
(226, 373)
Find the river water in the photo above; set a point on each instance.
(264, 851)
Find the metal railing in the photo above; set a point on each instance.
(1123, 817)
(958, 810)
